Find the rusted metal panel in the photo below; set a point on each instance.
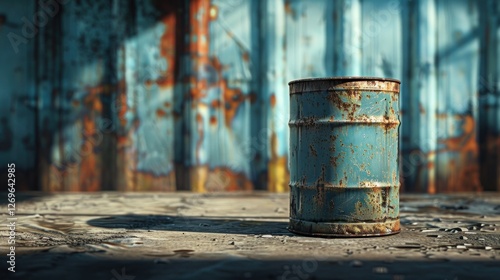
(488, 117)
(152, 89)
(439, 96)
(123, 102)
(18, 94)
(418, 106)
(272, 96)
(344, 37)
(163, 95)
(217, 113)
(380, 34)
(456, 105)
(77, 87)
(85, 90)
(344, 156)
(305, 28)
(48, 50)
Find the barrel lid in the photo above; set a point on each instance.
(347, 78)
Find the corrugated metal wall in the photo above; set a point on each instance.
(192, 95)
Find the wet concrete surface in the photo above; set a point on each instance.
(242, 236)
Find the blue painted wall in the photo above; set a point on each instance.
(193, 95)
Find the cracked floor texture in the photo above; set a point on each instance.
(126, 236)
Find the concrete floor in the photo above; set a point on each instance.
(242, 236)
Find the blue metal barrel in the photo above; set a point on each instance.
(344, 176)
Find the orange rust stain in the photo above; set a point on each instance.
(390, 124)
(199, 18)
(348, 107)
(160, 113)
(199, 90)
(466, 168)
(168, 51)
(122, 141)
(245, 56)
(148, 83)
(272, 100)
(92, 101)
(89, 176)
(396, 226)
(123, 107)
(225, 179)
(146, 181)
(216, 104)
(203, 179)
(99, 89)
(97, 105)
(466, 141)
(231, 97)
(217, 65)
(199, 118)
(213, 120)
(232, 100)
(167, 104)
(395, 87)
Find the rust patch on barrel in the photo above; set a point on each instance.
(313, 150)
(335, 159)
(347, 101)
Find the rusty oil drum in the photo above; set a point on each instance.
(344, 176)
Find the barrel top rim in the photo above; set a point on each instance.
(346, 78)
